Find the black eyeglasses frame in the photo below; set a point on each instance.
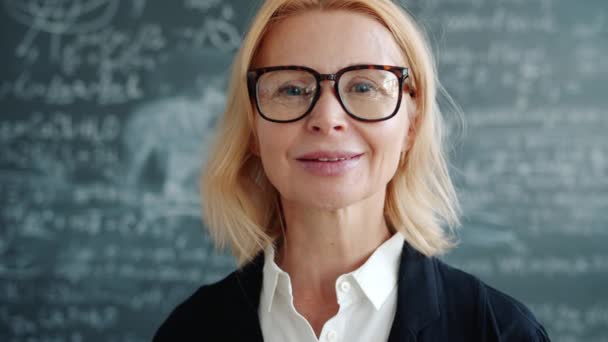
(402, 74)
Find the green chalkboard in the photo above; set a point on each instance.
(107, 107)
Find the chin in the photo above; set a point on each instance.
(331, 205)
(327, 200)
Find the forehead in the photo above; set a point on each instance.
(327, 41)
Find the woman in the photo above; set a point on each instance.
(329, 183)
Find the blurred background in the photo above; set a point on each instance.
(107, 108)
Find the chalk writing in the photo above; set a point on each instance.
(58, 18)
(573, 322)
(62, 127)
(61, 91)
(108, 109)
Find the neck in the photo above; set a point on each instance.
(320, 245)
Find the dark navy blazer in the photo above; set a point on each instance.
(435, 302)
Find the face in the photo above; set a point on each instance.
(299, 157)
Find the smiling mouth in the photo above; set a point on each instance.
(328, 165)
(329, 159)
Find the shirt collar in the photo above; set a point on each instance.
(376, 277)
(272, 273)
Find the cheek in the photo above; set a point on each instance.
(273, 142)
(389, 138)
(274, 135)
(387, 142)
(268, 147)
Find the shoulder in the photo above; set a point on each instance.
(502, 317)
(225, 310)
(196, 311)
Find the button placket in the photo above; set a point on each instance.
(345, 291)
(332, 336)
(345, 286)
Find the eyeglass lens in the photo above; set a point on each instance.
(368, 94)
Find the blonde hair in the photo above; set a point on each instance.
(241, 207)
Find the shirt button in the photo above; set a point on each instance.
(345, 286)
(332, 336)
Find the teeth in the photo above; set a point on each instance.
(331, 159)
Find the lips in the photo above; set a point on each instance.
(324, 163)
(328, 156)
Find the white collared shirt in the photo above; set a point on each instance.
(367, 298)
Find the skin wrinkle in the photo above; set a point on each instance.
(333, 223)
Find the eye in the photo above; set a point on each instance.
(362, 88)
(291, 90)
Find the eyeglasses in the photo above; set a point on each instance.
(366, 92)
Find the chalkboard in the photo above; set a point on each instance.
(107, 108)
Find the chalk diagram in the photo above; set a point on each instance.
(58, 18)
(167, 144)
(170, 136)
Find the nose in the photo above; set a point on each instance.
(327, 116)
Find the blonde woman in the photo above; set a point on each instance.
(329, 183)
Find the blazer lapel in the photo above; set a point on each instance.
(417, 295)
(249, 285)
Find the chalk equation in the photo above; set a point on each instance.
(58, 18)
(108, 108)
